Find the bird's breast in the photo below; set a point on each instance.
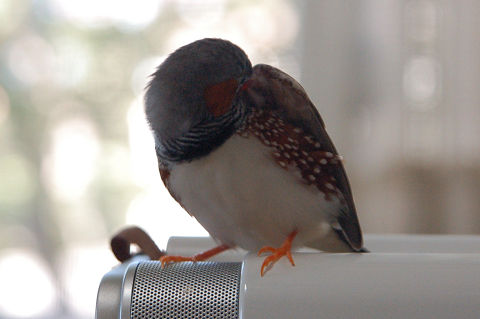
(244, 194)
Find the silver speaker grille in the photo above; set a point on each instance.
(186, 290)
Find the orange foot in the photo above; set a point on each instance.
(277, 253)
(198, 257)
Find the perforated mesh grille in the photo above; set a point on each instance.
(186, 290)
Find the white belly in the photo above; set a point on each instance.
(243, 198)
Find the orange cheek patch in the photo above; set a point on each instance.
(219, 96)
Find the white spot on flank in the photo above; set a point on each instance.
(311, 177)
(329, 186)
(317, 145)
(316, 170)
(297, 130)
(323, 161)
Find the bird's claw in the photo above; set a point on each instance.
(269, 249)
(274, 257)
(165, 260)
(277, 253)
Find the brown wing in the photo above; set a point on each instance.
(271, 89)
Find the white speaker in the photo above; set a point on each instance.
(403, 277)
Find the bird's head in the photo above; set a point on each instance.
(196, 83)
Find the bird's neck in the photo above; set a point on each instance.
(201, 138)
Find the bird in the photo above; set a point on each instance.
(244, 150)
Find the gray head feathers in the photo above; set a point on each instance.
(174, 99)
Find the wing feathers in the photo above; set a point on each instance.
(272, 89)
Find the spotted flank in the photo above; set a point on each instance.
(294, 148)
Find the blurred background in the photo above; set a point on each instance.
(396, 81)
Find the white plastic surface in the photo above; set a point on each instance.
(376, 285)
(402, 243)
(404, 276)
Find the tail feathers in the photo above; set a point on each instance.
(340, 233)
(334, 242)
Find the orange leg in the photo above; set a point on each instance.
(277, 253)
(198, 257)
